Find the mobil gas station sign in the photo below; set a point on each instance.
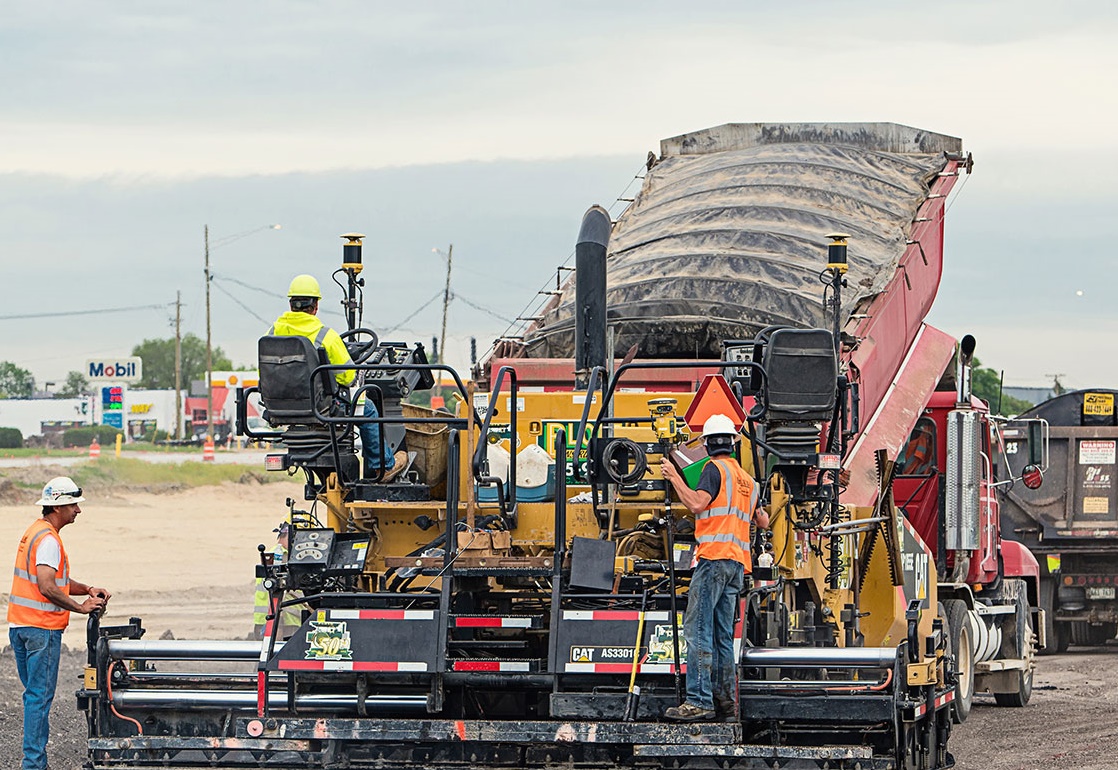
(114, 369)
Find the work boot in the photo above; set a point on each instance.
(399, 466)
(725, 710)
(689, 712)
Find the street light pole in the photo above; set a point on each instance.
(178, 366)
(446, 304)
(209, 340)
(209, 346)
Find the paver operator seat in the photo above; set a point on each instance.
(291, 397)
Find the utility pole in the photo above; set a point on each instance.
(209, 346)
(178, 366)
(446, 304)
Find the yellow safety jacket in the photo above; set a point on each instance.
(722, 530)
(27, 606)
(294, 323)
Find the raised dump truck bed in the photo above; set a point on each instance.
(723, 238)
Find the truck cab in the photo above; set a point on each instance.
(947, 483)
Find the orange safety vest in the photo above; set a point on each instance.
(722, 530)
(26, 605)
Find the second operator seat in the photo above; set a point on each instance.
(800, 393)
(291, 396)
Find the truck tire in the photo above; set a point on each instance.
(1057, 635)
(1024, 679)
(1062, 635)
(1083, 633)
(962, 646)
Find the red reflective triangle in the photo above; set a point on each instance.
(714, 397)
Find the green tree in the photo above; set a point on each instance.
(159, 362)
(15, 382)
(75, 385)
(986, 384)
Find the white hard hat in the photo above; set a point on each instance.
(719, 425)
(61, 490)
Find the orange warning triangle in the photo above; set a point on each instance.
(714, 397)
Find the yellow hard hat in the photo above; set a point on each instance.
(304, 286)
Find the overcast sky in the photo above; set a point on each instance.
(128, 126)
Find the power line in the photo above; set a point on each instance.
(476, 306)
(245, 307)
(420, 309)
(22, 316)
(247, 285)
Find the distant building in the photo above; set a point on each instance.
(35, 416)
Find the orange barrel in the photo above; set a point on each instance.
(208, 450)
(94, 450)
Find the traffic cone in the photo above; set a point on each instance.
(208, 450)
(94, 450)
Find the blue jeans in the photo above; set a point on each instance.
(708, 627)
(37, 651)
(376, 458)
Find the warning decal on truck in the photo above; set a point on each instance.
(1096, 452)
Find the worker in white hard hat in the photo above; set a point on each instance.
(303, 295)
(39, 610)
(725, 505)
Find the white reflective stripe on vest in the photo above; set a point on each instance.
(723, 537)
(61, 579)
(33, 578)
(318, 338)
(724, 510)
(31, 603)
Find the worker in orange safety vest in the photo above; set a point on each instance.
(39, 610)
(725, 506)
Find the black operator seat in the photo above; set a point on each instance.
(290, 398)
(800, 389)
(288, 395)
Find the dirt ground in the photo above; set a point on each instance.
(183, 561)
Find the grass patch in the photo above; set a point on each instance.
(123, 471)
(106, 450)
(41, 452)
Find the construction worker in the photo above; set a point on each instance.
(918, 457)
(724, 504)
(290, 617)
(303, 295)
(39, 610)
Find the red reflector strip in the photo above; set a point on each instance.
(620, 668)
(493, 622)
(351, 665)
(626, 615)
(380, 614)
(939, 702)
(491, 665)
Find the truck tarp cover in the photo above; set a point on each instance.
(728, 234)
